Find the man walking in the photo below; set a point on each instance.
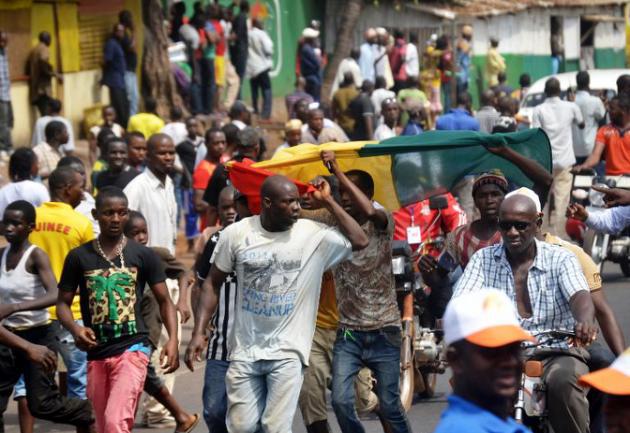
(259, 63)
(369, 321)
(279, 261)
(593, 111)
(310, 63)
(58, 230)
(114, 70)
(41, 72)
(152, 193)
(556, 117)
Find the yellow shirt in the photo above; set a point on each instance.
(59, 229)
(146, 123)
(589, 268)
(327, 314)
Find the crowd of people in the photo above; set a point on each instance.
(301, 297)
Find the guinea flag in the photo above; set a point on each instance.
(410, 169)
(248, 180)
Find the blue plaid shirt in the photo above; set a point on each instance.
(553, 279)
(5, 81)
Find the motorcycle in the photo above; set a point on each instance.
(530, 407)
(600, 246)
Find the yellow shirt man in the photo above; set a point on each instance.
(146, 123)
(59, 229)
(589, 268)
(495, 63)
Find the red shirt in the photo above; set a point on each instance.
(202, 174)
(617, 150)
(427, 219)
(220, 31)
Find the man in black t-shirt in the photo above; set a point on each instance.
(118, 172)
(111, 272)
(362, 111)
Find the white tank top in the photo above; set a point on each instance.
(19, 285)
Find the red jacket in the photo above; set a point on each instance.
(427, 219)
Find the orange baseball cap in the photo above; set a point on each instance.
(611, 380)
(485, 318)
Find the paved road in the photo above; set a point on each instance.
(423, 415)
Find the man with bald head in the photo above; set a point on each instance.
(152, 193)
(279, 261)
(549, 292)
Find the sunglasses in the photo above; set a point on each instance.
(518, 225)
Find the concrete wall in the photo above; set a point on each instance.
(79, 91)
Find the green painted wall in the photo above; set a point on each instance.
(606, 58)
(285, 20)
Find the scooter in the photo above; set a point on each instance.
(600, 246)
(530, 407)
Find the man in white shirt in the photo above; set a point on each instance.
(366, 56)
(22, 169)
(279, 261)
(593, 111)
(348, 65)
(240, 115)
(412, 60)
(176, 128)
(54, 113)
(391, 116)
(380, 94)
(259, 63)
(556, 117)
(153, 195)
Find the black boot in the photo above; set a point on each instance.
(318, 427)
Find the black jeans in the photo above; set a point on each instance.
(120, 102)
(43, 397)
(41, 103)
(263, 83)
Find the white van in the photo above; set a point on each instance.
(601, 80)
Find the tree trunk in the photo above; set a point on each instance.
(157, 78)
(343, 43)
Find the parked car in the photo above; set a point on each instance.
(602, 81)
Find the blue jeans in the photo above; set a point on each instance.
(380, 352)
(263, 394)
(75, 359)
(263, 83)
(215, 396)
(131, 85)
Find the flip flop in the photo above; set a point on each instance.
(192, 426)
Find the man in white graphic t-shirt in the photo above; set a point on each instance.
(280, 260)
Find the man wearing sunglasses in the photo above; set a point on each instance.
(550, 292)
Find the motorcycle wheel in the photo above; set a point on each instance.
(407, 387)
(624, 264)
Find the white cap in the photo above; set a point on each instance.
(527, 193)
(381, 31)
(612, 380)
(310, 33)
(485, 318)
